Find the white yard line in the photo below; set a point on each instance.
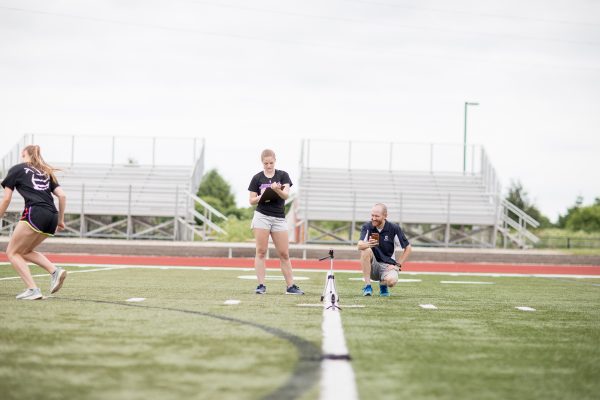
(337, 374)
(469, 282)
(250, 269)
(69, 272)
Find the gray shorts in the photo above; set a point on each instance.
(272, 224)
(380, 271)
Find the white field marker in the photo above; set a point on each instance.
(525, 308)
(136, 299)
(428, 306)
(231, 302)
(469, 282)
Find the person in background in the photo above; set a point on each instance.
(269, 220)
(36, 182)
(377, 245)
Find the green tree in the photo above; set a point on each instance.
(519, 197)
(216, 192)
(562, 219)
(585, 219)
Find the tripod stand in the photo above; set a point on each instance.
(329, 292)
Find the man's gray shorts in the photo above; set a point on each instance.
(380, 271)
(272, 224)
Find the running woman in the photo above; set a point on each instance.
(269, 219)
(36, 182)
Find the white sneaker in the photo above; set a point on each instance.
(57, 279)
(30, 294)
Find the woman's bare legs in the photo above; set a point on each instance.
(262, 243)
(281, 242)
(20, 244)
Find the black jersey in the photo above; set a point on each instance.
(35, 186)
(389, 237)
(259, 182)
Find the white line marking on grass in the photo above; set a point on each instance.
(469, 282)
(337, 374)
(505, 275)
(273, 277)
(231, 302)
(525, 308)
(321, 305)
(69, 272)
(399, 280)
(428, 306)
(245, 269)
(136, 299)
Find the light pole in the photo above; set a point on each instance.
(465, 137)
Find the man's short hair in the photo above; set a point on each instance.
(383, 208)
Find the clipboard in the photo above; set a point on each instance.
(268, 196)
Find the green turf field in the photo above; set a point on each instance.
(87, 342)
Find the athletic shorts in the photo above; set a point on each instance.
(380, 271)
(272, 224)
(40, 219)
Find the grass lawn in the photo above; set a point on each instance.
(182, 341)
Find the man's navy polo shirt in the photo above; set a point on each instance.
(385, 251)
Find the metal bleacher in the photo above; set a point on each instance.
(113, 196)
(436, 206)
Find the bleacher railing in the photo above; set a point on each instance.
(444, 159)
(400, 156)
(113, 150)
(144, 155)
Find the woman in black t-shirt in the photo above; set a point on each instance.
(268, 191)
(36, 182)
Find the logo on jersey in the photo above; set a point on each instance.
(39, 180)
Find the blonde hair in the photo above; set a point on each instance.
(36, 161)
(267, 153)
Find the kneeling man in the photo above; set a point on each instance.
(378, 241)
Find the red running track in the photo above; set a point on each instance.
(340, 265)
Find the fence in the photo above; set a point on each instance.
(562, 242)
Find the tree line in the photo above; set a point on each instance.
(578, 217)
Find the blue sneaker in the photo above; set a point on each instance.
(383, 291)
(367, 290)
(261, 289)
(294, 290)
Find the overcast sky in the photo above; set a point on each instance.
(247, 75)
